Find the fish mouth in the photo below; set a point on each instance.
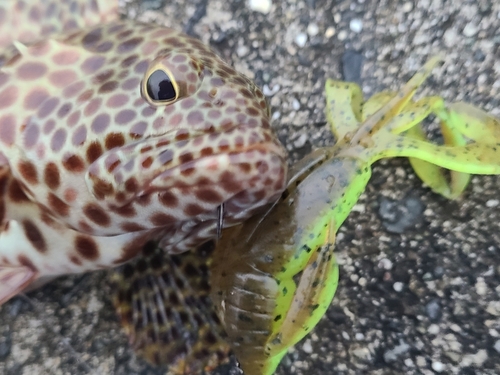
(172, 160)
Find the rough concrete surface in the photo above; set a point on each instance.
(420, 276)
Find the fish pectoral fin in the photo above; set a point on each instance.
(164, 307)
(13, 280)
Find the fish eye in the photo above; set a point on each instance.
(160, 87)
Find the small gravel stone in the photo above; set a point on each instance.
(342, 35)
(356, 25)
(262, 6)
(433, 329)
(301, 39)
(330, 32)
(352, 65)
(398, 215)
(470, 30)
(242, 51)
(312, 29)
(481, 287)
(450, 37)
(301, 141)
(433, 310)
(438, 272)
(385, 264)
(295, 104)
(492, 203)
(270, 91)
(398, 286)
(438, 366)
(359, 336)
(392, 355)
(497, 346)
(5, 345)
(307, 347)
(407, 7)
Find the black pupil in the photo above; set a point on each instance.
(160, 86)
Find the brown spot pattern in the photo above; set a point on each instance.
(97, 215)
(94, 151)
(34, 236)
(74, 164)
(86, 247)
(114, 140)
(28, 172)
(57, 205)
(51, 176)
(25, 261)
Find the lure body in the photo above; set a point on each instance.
(274, 276)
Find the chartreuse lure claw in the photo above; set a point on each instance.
(274, 276)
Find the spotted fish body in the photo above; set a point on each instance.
(27, 21)
(95, 163)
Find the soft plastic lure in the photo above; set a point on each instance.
(274, 276)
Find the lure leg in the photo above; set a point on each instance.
(343, 107)
(460, 122)
(313, 295)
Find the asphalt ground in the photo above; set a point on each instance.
(419, 291)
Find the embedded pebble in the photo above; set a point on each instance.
(433, 310)
(342, 35)
(242, 51)
(312, 29)
(385, 264)
(295, 104)
(5, 345)
(393, 354)
(301, 39)
(450, 37)
(398, 286)
(407, 7)
(262, 6)
(362, 353)
(330, 32)
(497, 346)
(438, 366)
(481, 286)
(470, 30)
(492, 203)
(397, 216)
(352, 65)
(433, 329)
(356, 25)
(307, 347)
(268, 91)
(301, 141)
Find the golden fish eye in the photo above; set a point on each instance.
(160, 87)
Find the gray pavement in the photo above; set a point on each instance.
(420, 276)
